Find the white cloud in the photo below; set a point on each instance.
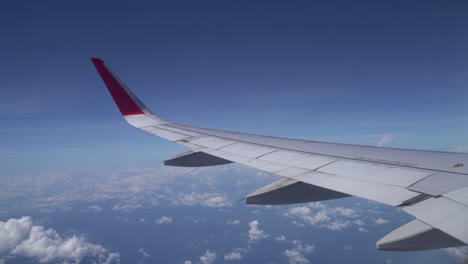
(363, 230)
(319, 215)
(233, 256)
(20, 238)
(387, 139)
(187, 262)
(358, 222)
(255, 233)
(233, 222)
(280, 238)
(208, 257)
(381, 221)
(126, 207)
(347, 212)
(205, 199)
(459, 253)
(459, 148)
(296, 254)
(164, 220)
(92, 209)
(295, 257)
(142, 251)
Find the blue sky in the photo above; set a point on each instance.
(361, 72)
(335, 71)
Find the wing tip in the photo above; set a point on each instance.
(96, 60)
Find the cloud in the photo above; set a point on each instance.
(255, 233)
(164, 220)
(142, 251)
(296, 254)
(381, 221)
(363, 230)
(20, 238)
(303, 248)
(187, 262)
(198, 199)
(295, 257)
(459, 148)
(208, 257)
(358, 222)
(459, 253)
(126, 207)
(233, 256)
(280, 238)
(387, 139)
(92, 209)
(348, 247)
(318, 215)
(233, 222)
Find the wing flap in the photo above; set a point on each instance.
(377, 173)
(287, 191)
(383, 193)
(444, 214)
(297, 159)
(195, 159)
(379, 192)
(416, 236)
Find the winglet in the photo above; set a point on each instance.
(126, 100)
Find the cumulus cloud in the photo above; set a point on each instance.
(296, 254)
(255, 233)
(20, 238)
(208, 257)
(459, 148)
(188, 262)
(233, 256)
(387, 139)
(126, 207)
(303, 248)
(459, 253)
(233, 222)
(295, 257)
(318, 215)
(92, 209)
(164, 220)
(201, 199)
(361, 229)
(280, 238)
(142, 251)
(358, 222)
(381, 221)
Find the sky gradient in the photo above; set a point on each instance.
(335, 71)
(387, 73)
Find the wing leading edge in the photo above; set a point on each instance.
(432, 186)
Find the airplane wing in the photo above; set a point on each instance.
(430, 185)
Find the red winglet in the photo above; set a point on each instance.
(125, 103)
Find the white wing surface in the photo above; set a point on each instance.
(430, 185)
